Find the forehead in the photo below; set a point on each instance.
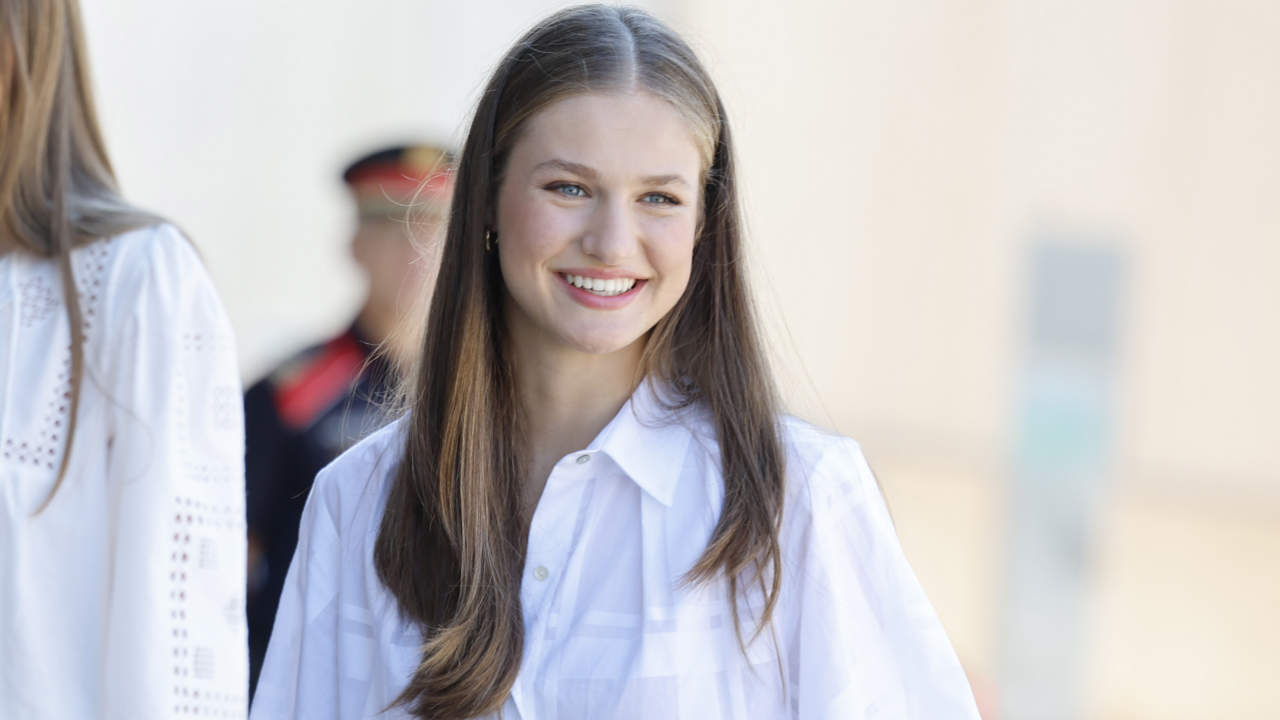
(619, 132)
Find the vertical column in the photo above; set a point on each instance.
(1061, 462)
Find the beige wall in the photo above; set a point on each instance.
(897, 159)
(900, 157)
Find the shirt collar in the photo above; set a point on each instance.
(648, 440)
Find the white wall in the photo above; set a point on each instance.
(235, 119)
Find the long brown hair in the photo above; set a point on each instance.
(452, 541)
(57, 189)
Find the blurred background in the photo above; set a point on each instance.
(1025, 251)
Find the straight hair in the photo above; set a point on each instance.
(57, 188)
(453, 537)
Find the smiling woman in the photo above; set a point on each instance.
(593, 507)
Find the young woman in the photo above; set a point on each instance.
(594, 508)
(122, 541)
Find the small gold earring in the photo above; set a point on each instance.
(490, 239)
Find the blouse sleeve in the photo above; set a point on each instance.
(300, 675)
(864, 640)
(175, 641)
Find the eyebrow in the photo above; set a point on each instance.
(590, 173)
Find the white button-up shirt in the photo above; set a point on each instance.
(611, 631)
(124, 598)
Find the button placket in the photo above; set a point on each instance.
(549, 533)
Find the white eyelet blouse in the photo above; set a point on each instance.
(610, 631)
(124, 598)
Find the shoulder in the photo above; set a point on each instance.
(849, 593)
(826, 471)
(352, 489)
(150, 239)
(819, 455)
(148, 289)
(310, 382)
(295, 364)
(820, 465)
(835, 523)
(155, 252)
(153, 268)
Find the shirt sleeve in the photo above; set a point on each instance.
(175, 631)
(300, 675)
(864, 642)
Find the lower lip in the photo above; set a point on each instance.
(601, 302)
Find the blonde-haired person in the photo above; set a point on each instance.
(121, 445)
(594, 508)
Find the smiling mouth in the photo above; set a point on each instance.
(600, 286)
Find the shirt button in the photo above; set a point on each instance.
(540, 573)
(583, 458)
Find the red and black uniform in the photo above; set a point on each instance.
(297, 419)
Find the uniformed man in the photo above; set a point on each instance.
(322, 400)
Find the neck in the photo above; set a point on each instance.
(375, 322)
(568, 396)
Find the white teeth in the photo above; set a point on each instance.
(600, 286)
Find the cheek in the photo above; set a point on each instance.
(530, 231)
(671, 252)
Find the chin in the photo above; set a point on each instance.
(602, 344)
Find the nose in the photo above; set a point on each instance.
(611, 237)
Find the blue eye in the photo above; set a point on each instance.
(660, 199)
(568, 190)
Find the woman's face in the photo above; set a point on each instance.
(596, 217)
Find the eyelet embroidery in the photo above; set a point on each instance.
(194, 529)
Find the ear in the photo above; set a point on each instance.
(359, 245)
(491, 206)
